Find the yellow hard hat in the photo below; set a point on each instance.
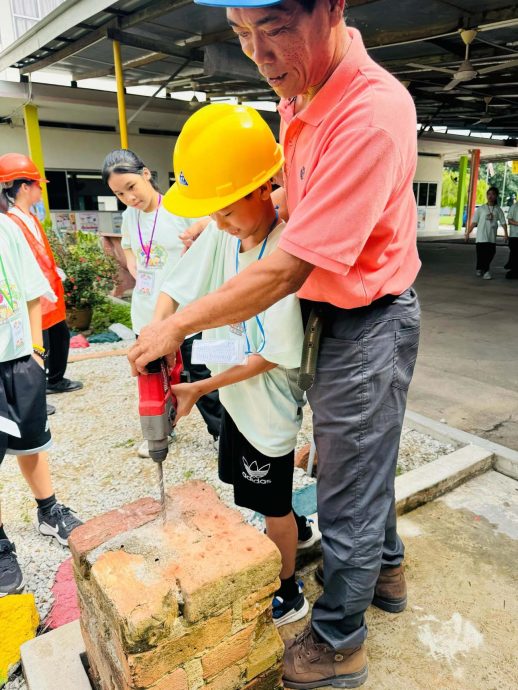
(222, 154)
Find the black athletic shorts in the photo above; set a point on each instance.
(260, 483)
(23, 401)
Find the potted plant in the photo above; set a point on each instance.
(90, 275)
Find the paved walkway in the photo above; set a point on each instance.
(460, 628)
(467, 369)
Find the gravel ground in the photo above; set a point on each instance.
(95, 467)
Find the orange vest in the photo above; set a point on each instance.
(51, 312)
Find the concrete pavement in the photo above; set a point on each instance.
(467, 368)
(460, 628)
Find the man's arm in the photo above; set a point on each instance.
(251, 292)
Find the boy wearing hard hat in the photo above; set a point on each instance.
(224, 160)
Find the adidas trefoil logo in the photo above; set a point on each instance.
(254, 473)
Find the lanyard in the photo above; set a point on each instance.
(258, 320)
(10, 301)
(147, 250)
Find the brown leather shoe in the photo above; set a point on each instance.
(312, 664)
(390, 592)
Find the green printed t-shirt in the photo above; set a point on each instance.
(166, 250)
(513, 215)
(21, 281)
(266, 408)
(486, 218)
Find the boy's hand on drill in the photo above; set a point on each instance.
(187, 394)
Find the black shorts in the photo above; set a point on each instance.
(23, 401)
(260, 483)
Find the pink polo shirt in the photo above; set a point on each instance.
(350, 162)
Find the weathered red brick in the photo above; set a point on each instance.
(266, 652)
(302, 458)
(229, 652)
(145, 668)
(270, 680)
(100, 529)
(157, 597)
(177, 680)
(146, 604)
(230, 679)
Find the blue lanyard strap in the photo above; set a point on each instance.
(257, 319)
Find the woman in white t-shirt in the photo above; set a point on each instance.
(152, 246)
(486, 219)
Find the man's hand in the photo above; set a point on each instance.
(160, 339)
(187, 395)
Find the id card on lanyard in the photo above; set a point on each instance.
(15, 323)
(260, 326)
(146, 248)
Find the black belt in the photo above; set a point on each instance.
(329, 312)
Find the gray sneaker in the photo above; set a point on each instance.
(11, 577)
(58, 522)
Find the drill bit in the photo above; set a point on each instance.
(160, 469)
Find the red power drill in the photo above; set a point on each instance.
(157, 410)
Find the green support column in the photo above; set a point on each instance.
(461, 193)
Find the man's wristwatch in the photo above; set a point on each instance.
(40, 351)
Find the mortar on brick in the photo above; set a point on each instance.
(182, 605)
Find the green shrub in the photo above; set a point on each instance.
(107, 313)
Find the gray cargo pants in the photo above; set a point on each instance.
(364, 368)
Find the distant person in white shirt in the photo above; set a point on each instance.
(486, 219)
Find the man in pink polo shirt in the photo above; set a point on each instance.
(349, 250)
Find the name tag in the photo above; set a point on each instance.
(218, 352)
(17, 333)
(145, 282)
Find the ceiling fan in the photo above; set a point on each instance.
(486, 117)
(465, 71)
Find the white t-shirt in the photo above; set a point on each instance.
(513, 215)
(29, 222)
(266, 408)
(166, 250)
(21, 280)
(486, 218)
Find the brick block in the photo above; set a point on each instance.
(302, 459)
(190, 642)
(266, 652)
(156, 599)
(270, 680)
(143, 604)
(230, 679)
(177, 680)
(256, 603)
(228, 652)
(100, 529)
